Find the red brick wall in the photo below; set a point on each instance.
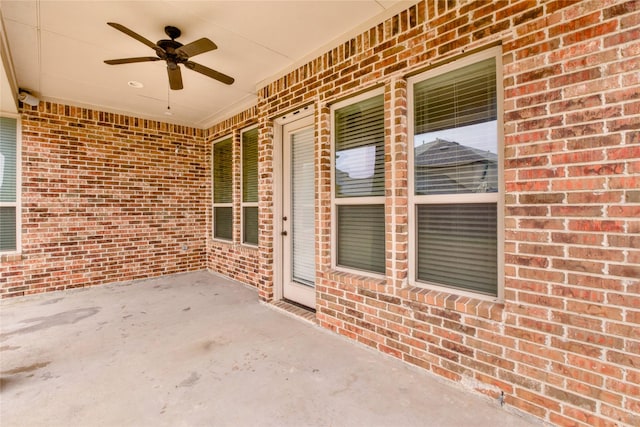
(105, 198)
(564, 343)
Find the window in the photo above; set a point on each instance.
(250, 186)
(9, 184)
(358, 190)
(456, 175)
(223, 189)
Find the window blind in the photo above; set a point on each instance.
(456, 152)
(8, 181)
(250, 166)
(359, 149)
(223, 189)
(456, 131)
(8, 229)
(360, 233)
(222, 171)
(250, 186)
(250, 225)
(8, 159)
(223, 224)
(303, 207)
(459, 98)
(457, 245)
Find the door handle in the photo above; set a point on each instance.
(284, 233)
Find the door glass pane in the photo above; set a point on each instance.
(359, 149)
(457, 245)
(361, 237)
(8, 159)
(7, 229)
(303, 207)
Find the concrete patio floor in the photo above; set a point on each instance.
(196, 349)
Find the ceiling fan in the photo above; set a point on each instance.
(174, 53)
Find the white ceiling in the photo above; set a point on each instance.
(58, 48)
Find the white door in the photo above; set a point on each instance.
(298, 212)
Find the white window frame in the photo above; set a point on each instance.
(18, 203)
(244, 204)
(497, 197)
(349, 201)
(215, 205)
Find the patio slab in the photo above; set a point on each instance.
(196, 349)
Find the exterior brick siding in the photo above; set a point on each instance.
(105, 198)
(563, 343)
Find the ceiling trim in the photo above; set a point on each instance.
(9, 83)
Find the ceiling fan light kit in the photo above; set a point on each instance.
(173, 53)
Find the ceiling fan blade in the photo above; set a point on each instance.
(131, 60)
(136, 36)
(209, 72)
(196, 48)
(175, 76)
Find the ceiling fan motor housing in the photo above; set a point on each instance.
(169, 47)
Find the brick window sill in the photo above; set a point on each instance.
(477, 307)
(8, 258)
(359, 281)
(235, 246)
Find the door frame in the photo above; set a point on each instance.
(278, 182)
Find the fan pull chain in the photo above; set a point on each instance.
(168, 112)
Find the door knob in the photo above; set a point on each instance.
(284, 233)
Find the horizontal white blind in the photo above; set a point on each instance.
(8, 159)
(457, 245)
(223, 223)
(7, 229)
(303, 207)
(359, 149)
(361, 242)
(459, 98)
(250, 166)
(222, 171)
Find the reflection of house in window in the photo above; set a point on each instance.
(444, 167)
(356, 171)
